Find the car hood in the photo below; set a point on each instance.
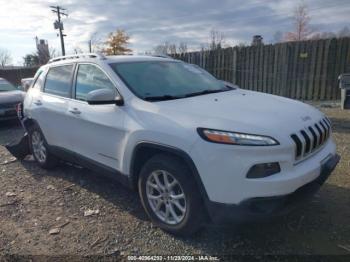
(15, 96)
(242, 111)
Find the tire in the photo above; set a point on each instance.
(40, 149)
(181, 222)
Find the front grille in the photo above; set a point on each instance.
(310, 139)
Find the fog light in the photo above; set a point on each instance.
(263, 170)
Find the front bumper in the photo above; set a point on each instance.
(264, 207)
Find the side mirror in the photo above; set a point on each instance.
(104, 97)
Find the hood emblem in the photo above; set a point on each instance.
(306, 118)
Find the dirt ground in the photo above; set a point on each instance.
(34, 201)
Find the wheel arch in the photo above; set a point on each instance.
(29, 122)
(143, 151)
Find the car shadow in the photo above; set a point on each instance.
(105, 187)
(10, 130)
(9, 123)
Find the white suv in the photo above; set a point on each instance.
(197, 149)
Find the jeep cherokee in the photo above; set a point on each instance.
(196, 148)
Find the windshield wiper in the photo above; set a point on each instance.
(207, 91)
(161, 98)
(170, 97)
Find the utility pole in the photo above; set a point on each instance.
(90, 46)
(59, 24)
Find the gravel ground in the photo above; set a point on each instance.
(35, 202)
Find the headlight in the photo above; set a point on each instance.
(235, 138)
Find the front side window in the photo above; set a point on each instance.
(163, 80)
(90, 78)
(58, 80)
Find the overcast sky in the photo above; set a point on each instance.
(150, 22)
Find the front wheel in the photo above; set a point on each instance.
(40, 149)
(169, 195)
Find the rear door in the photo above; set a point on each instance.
(96, 131)
(53, 104)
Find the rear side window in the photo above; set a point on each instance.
(90, 78)
(58, 80)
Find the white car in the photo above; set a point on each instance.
(197, 149)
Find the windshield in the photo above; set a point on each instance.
(159, 80)
(6, 86)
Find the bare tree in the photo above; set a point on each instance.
(162, 48)
(302, 30)
(170, 48)
(344, 32)
(95, 43)
(5, 57)
(77, 50)
(242, 44)
(217, 39)
(204, 47)
(277, 37)
(182, 49)
(323, 35)
(52, 52)
(166, 48)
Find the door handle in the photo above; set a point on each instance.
(38, 103)
(75, 111)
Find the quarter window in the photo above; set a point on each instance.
(58, 80)
(90, 78)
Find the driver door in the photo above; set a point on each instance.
(97, 131)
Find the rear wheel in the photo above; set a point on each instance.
(40, 149)
(169, 195)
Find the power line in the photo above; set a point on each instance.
(58, 24)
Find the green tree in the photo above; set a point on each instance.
(31, 60)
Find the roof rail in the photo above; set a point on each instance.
(88, 55)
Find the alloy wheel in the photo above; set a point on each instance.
(166, 197)
(39, 149)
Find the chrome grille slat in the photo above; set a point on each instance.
(306, 138)
(325, 131)
(298, 145)
(307, 131)
(315, 138)
(320, 140)
(328, 127)
(311, 138)
(303, 145)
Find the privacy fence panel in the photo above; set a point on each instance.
(305, 70)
